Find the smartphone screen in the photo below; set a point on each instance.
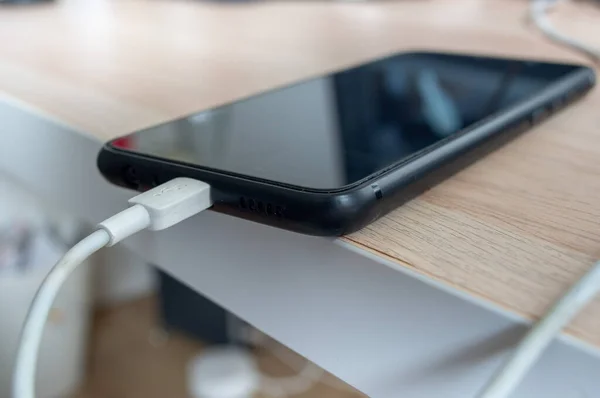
(333, 131)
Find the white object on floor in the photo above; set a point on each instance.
(223, 372)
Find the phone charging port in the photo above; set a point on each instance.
(131, 178)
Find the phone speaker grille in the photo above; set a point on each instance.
(258, 206)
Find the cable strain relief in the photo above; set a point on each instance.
(125, 223)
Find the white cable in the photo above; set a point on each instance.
(538, 12)
(542, 334)
(181, 198)
(36, 318)
(156, 209)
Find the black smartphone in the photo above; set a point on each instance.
(329, 155)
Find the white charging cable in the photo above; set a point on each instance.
(538, 12)
(541, 335)
(156, 209)
(181, 198)
(550, 325)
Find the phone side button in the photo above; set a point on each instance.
(377, 191)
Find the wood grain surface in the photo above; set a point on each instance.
(517, 228)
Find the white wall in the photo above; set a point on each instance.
(62, 354)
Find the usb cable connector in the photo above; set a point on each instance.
(159, 208)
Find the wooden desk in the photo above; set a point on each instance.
(517, 228)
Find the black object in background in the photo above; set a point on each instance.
(183, 309)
